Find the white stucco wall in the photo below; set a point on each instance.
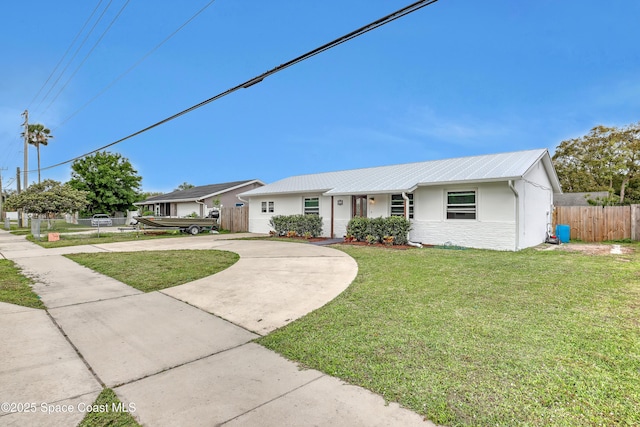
(536, 199)
(493, 228)
(285, 205)
(341, 216)
(184, 209)
(294, 205)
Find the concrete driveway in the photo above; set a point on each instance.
(182, 356)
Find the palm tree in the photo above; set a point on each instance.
(38, 135)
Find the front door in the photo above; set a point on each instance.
(359, 206)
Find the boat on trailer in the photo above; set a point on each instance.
(185, 225)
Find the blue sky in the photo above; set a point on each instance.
(457, 78)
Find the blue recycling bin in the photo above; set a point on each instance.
(563, 231)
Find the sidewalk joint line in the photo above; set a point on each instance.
(210, 313)
(272, 400)
(153, 374)
(66, 337)
(98, 300)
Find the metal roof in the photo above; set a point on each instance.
(197, 193)
(406, 177)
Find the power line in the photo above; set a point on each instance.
(65, 53)
(87, 55)
(142, 59)
(74, 54)
(255, 80)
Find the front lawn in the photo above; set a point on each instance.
(479, 338)
(155, 270)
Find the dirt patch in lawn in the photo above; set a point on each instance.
(590, 248)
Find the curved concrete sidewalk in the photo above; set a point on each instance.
(271, 285)
(174, 362)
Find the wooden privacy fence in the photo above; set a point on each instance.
(599, 223)
(235, 219)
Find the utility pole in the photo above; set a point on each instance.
(19, 191)
(26, 147)
(1, 194)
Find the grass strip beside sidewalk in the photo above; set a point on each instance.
(16, 288)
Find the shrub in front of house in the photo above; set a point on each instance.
(358, 227)
(303, 225)
(397, 227)
(367, 229)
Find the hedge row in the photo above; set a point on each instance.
(301, 224)
(376, 229)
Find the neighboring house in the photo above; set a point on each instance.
(198, 199)
(578, 199)
(500, 201)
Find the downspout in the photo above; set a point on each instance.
(201, 208)
(515, 192)
(332, 233)
(406, 215)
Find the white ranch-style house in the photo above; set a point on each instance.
(499, 201)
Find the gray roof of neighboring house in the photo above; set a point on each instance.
(406, 177)
(198, 193)
(578, 199)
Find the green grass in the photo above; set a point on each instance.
(479, 338)
(94, 239)
(108, 412)
(62, 226)
(57, 226)
(16, 288)
(155, 270)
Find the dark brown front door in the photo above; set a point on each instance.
(359, 206)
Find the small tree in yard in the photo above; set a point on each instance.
(48, 198)
(110, 180)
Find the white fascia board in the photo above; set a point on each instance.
(371, 192)
(468, 182)
(545, 158)
(283, 193)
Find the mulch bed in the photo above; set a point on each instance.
(375, 245)
(378, 245)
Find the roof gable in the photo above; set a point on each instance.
(406, 177)
(198, 193)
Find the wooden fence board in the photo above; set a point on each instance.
(235, 219)
(598, 223)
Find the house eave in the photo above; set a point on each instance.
(468, 181)
(370, 192)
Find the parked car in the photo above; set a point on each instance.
(101, 220)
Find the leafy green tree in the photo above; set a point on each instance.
(110, 179)
(606, 159)
(38, 135)
(184, 186)
(47, 198)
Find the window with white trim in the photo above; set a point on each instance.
(312, 206)
(397, 205)
(267, 207)
(461, 204)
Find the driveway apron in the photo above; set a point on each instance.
(182, 356)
